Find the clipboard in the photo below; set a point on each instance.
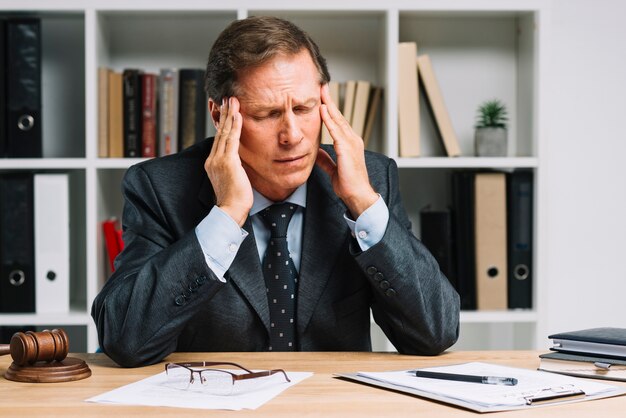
(565, 390)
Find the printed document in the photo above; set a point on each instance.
(155, 391)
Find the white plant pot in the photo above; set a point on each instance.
(490, 142)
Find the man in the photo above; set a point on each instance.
(212, 264)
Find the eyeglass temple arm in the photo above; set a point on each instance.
(261, 374)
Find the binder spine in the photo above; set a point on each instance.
(17, 284)
(520, 225)
(23, 88)
(3, 91)
(52, 242)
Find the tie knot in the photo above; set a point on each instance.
(277, 218)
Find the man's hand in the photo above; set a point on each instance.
(349, 175)
(233, 191)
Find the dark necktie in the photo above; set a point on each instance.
(281, 278)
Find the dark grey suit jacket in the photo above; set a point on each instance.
(163, 297)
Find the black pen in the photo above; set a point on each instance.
(489, 380)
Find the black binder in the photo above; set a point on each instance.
(23, 88)
(437, 236)
(3, 90)
(132, 113)
(192, 108)
(463, 217)
(520, 238)
(17, 258)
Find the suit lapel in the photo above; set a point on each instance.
(245, 271)
(325, 232)
(247, 275)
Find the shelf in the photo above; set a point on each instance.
(72, 318)
(480, 49)
(488, 317)
(468, 162)
(42, 163)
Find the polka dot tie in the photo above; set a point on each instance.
(281, 278)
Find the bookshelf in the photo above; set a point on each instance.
(480, 49)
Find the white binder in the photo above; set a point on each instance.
(52, 243)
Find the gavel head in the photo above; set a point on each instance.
(31, 347)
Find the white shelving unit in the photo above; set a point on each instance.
(480, 49)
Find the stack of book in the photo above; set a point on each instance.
(598, 353)
(412, 68)
(145, 115)
(359, 102)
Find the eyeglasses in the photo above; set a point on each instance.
(219, 381)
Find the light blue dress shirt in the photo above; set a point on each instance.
(220, 236)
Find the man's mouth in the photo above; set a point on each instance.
(289, 159)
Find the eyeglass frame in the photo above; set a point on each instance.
(248, 375)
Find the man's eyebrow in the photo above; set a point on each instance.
(312, 101)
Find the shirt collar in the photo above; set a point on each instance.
(261, 202)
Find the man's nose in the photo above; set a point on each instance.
(290, 132)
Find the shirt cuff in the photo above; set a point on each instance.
(220, 238)
(370, 227)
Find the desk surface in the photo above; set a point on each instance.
(320, 395)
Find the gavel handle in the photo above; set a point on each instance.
(5, 349)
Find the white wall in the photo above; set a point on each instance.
(586, 182)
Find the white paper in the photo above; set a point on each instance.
(530, 383)
(154, 391)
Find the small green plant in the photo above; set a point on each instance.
(492, 114)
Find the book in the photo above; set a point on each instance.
(463, 226)
(148, 115)
(437, 236)
(112, 240)
(437, 106)
(348, 100)
(408, 100)
(607, 341)
(359, 111)
(132, 113)
(372, 112)
(520, 238)
(23, 88)
(192, 107)
(583, 366)
(52, 242)
(116, 115)
(333, 89)
(103, 111)
(168, 111)
(490, 240)
(17, 255)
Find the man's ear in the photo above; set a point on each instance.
(214, 111)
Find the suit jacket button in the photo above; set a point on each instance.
(379, 276)
(371, 270)
(384, 285)
(180, 300)
(390, 292)
(201, 279)
(193, 286)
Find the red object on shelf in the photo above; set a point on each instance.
(112, 240)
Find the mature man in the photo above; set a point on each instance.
(258, 239)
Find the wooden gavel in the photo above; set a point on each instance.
(27, 348)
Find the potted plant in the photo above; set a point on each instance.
(490, 139)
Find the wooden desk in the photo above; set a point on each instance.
(320, 395)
